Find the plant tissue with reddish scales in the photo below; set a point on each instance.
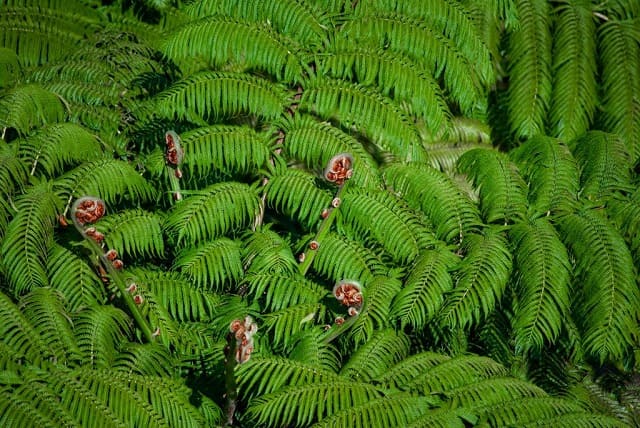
(243, 331)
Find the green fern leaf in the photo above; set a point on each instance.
(44, 308)
(281, 291)
(543, 273)
(149, 359)
(134, 233)
(28, 237)
(99, 331)
(211, 265)
(221, 94)
(488, 392)
(284, 324)
(315, 143)
(479, 281)
(552, 174)
(423, 293)
(224, 149)
(609, 300)
(451, 212)
(219, 40)
(530, 84)
(10, 67)
(29, 106)
(605, 164)
(295, 194)
(503, 192)
(310, 349)
(13, 172)
(375, 314)
(382, 216)
(402, 374)
(382, 351)
(373, 114)
(74, 278)
(266, 252)
(212, 212)
(574, 95)
(620, 58)
(626, 214)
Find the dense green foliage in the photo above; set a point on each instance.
(491, 223)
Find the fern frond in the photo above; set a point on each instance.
(221, 94)
(212, 212)
(381, 352)
(393, 410)
(28, 237)
(530, 84)
(375, 314)
(382, 216)
(575, 90)
(13, 171)
(108, 179)
(424, 289)
(625, 212)
(620, 58)
(299, 405)
(401, 375)
(10, 68)
(463, 76)
(488, 392)
(44, 308)
(451, 211)
(370, 112)
(605, 164)
(380, 68)
(134, 233)
(444, 156)
(503, 192)
(479, 281)
(225, 149)
(551, 173)
(543, 273)
(219, 40)
(294, 193)
(315, 143)
(340, 258)
(99, 331)
(281, 291)
(58, 145)
(609, 299)
(266, 252)
(211, 265)
(19, 335)
(28, 106)
(149, 359)
(526, 410)
(74, 278)
(285, 323)
(309, 348)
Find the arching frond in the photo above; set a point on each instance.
(382, 216)
(27, 106)
(27, 239)
(380, 68)
(625, 212)
(218, 40)
(221, 94)
(212, 212)
(99, 331)
(530, 83)
(340, 258)
(543, 273)
(266, 253)
(294, 193)
(451, 212)
(211, 265)
(10, 67)
(620, 58)
(608, 303)
(44, 308)
(74, 279)
(134, 233)
(574, 97)
(371, 113)
(149, 359)
(402, 374)
(423, 293)
(382, 351)
(479, 281)
(58, 145)
(315, 143)
(503, 192)
(488, 392)
(109, 179)
(463, 76)
(281, 291)
(551, 173)
(285, 323)
(310, 349)
(375, 313)
(605, 164)
(224, 149)
(13, 171)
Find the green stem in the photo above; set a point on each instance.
(176, 190)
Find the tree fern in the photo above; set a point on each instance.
(279, 291)
(267, 253)
(13, 172)
(376, 313)
(99, 331)
(310, 349)
(27, 106)
(284, 324)
(378, 354)
(134, 233)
